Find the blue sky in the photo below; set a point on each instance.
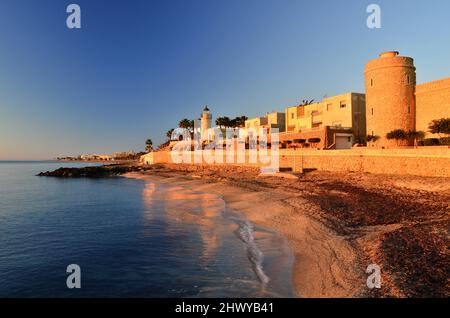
(136, 68)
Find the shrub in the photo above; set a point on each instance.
(435, 142)
(440, 126)
(445, 141)
(416, 135)
(397, 134)
(372, 138)
(430, 142)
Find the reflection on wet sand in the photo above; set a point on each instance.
(232, 254)
(189, 207)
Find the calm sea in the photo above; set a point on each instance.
(131, 238)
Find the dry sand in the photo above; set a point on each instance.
(339, 223)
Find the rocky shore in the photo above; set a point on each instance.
(92, 172)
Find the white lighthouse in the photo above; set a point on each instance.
(206, 119)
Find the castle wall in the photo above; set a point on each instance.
(432, 102)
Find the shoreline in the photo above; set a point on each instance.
(323, 262)
(337, 224)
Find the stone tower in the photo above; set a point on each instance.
(206, 119)
(390, 102)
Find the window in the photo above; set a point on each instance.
(343, 104)
(329, 107)
(292, 115)
(407, 79)
(371, 82)
(372, 110)
(409, 109)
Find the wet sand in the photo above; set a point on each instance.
(339, 223)
(316, 268)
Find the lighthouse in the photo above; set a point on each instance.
(206, 118)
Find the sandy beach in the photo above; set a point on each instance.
(339, 223)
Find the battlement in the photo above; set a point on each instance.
(433, 86)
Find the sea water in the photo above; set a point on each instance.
(131, 238)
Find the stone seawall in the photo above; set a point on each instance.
(422, 166)
(422, 161)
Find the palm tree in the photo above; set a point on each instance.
(226, 121)
(169, 134)
(184, 123)
(240, 121)
(149, 145)
(220, 121)
(306, 102)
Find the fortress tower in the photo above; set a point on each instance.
(390, 102)
(206, 119)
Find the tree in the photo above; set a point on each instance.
(169, 134)
(223, 122)
(149, 145)
(440, 126)
(185, 123)
(219, 121)
(306, 102)
(227, 121)
(397, 135)
(239, 122)
(416, 136)
(372, 138)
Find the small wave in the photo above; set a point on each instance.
(256, 257)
